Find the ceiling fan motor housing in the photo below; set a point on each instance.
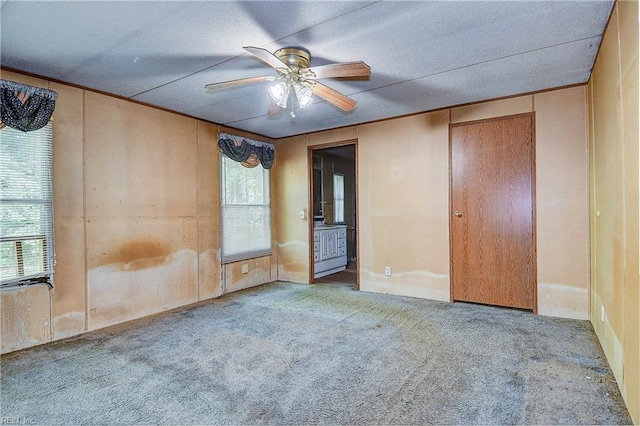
(295, 57)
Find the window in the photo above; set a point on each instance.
(26, 206)
(338, 198)
(245, 211)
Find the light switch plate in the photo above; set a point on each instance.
(387, 271)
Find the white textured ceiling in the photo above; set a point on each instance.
(423, 55)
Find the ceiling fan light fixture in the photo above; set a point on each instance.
(304, 95)
(279, 92)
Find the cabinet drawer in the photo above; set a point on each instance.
(316, 236)
(316, 257)
(316, 246)
(342, 242)
(342, 251)
(342, 233)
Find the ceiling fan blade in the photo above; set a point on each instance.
(334, 97)
(240, 82)
(275, 110)
(345, 69)
(267, 57)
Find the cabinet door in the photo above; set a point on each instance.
(329, 244)
(325, 245)
(333, 241)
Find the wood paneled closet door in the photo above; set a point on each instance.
(492, 212)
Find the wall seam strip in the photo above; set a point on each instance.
(84, 210)
(196, 160)
(624, 192)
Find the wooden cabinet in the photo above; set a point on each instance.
(329, 250)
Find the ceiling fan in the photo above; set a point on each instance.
(297, 82)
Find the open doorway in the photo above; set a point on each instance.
(333, 208)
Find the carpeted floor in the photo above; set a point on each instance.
(319, 354)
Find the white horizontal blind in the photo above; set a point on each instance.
(338, 198)
(245, 211)
(26, 206)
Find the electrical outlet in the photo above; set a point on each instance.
(387, 271)
(602, 315)
(245, 268)
(302, 214)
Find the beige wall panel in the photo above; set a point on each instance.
(68, 155)
(403, 195)
(628, 22)
(608, 151)
(613, 348)
(562, 203)
(510, 106)
(208, 161)
(139, 267)
(258, 272)
(292, 197)
(138, 241)
(139, 161)
(209, 271)
(616, 180)
(592, 204)
(69, 295)
(418, 268)
(121, 292)
(330, 136)
(631, 350)
(557, 300)
(209, 268)
(26, 317)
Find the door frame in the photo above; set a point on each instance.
(310, 150)
(534, 250)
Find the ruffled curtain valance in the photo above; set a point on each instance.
(25, 108)
(246, 151)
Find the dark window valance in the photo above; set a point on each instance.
(25, 108)
(246, 151)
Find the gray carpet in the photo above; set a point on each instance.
(319, 354)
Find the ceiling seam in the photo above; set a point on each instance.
(478, 63)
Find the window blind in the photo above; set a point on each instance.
(338, 198)
(26, 206)
(245, 211)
